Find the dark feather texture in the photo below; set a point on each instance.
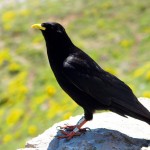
(85, 81)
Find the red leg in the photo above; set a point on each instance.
(75, 130)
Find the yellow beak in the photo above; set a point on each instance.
(38, 26)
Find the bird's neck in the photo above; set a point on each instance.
(58, 52)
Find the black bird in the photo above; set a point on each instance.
(85, 81)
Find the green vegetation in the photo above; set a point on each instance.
(114, 33)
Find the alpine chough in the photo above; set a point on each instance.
(85, 81)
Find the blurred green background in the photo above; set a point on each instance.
(115, 33)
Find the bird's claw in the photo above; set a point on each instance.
(66, 127)
(71, 128)
(70, 131)
(87, 129)
(69, 135)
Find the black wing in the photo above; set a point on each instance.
(87, 76)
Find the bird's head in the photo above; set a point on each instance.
(52, 31)
(50, 28)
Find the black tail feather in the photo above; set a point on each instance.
(123, 111)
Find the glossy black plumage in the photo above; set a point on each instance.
(85, 81)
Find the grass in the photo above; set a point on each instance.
(115, 34)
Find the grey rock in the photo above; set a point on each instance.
(109, 131)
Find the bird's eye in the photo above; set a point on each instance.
(60, 30)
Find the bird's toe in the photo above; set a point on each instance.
(67, 127)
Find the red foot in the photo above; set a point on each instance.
(71, 128)
(74, 130)
(69, 135)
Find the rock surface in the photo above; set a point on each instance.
(109, 131)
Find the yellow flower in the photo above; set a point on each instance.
(132, 87)
(7, 26)
(37, 39)
(50, 90)
(19, 80)
(4, 56)
(38, 100)
(17, 88)
(14, 116)
(8, 16)
(7, 138)
(126, 43)
(146, 94)
(32, 130)
(23, 89)
(139, 72)
(8, 19)
(17, 92)
(148, 75)
(111, 70)
(14, 67)
(101, 23)
(1, 112)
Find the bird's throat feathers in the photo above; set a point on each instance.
(58, 49)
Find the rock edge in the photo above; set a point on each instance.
(109, 131)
